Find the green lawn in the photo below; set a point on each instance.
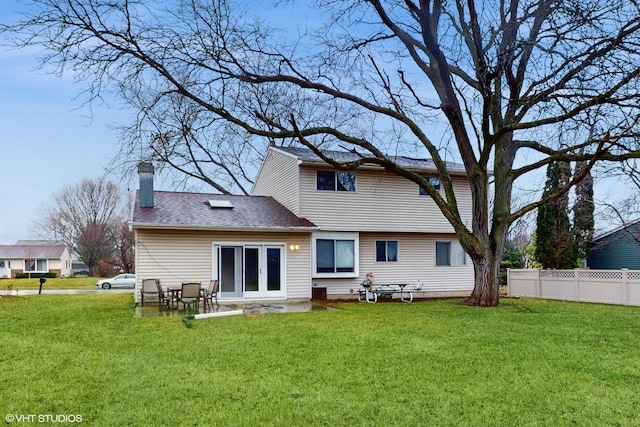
(431, 363)
(55, 283)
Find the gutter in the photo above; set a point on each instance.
(196, 227)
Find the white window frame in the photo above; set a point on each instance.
(262, 247)
(36, 262)
(430, 180)
(335, 181)
(386, 250)
(457, 255)
(336, 236)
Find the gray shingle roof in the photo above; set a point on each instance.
(31, 251)
(40, 242)
(307, 155)
(192, 210)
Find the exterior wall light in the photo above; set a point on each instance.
(294, 247)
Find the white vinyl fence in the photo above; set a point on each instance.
(604, 286)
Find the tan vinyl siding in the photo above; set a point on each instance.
(382, 202)
(177, 256)
(416, 264)
(278, 178)
(62, 266)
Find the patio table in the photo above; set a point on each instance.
(371, 293)
(175, 295)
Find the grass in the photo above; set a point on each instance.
(51, 283)
(440, 363)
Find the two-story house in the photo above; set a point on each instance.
(305, 223)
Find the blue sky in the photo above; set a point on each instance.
(48, 139)
(47, 143)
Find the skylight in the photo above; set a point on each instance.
(220, 204)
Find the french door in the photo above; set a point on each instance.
(251, 271)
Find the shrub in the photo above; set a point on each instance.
(35, 275)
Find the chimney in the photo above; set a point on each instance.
(145, 172)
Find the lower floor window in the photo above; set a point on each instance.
(335, 256)
(386, 250)
(450, 253)
(39, 265)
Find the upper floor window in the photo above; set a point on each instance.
(435, 183)
(336, 181)
(386, 250)
(450, 253)
(36, 265)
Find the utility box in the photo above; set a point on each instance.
(319, 292)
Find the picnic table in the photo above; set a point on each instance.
(371, 292)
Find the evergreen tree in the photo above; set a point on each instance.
(583, 222)
(555, 243)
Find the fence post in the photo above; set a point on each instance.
(538, 292)
(576, 284)
(625, 286)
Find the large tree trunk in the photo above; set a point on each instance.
(486, 288)
(487, 246)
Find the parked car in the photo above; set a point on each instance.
(120, 281)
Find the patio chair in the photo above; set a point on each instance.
(150, 287)
(190, 295)
(211, 293)
(164, 299)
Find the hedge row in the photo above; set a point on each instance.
(35, 275)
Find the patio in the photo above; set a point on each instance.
(249, 309)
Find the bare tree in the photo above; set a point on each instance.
(85, 216)
(620, 207)
(506, 87)
(622, 214)
(29, 260)
(124, 256)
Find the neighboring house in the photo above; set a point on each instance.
(35, 256)
(305, 223)
(616, 249)
(79, 267)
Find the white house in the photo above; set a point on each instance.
(35, 257)
(305, 223)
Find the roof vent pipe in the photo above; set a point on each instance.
(145, 172)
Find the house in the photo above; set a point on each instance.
(616, 249)
(35, 257)
(306, 224)
(79, 267)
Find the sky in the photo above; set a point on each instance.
(48, 141)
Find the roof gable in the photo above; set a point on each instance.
(631, 227)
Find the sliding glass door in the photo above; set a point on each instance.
(251, 271)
